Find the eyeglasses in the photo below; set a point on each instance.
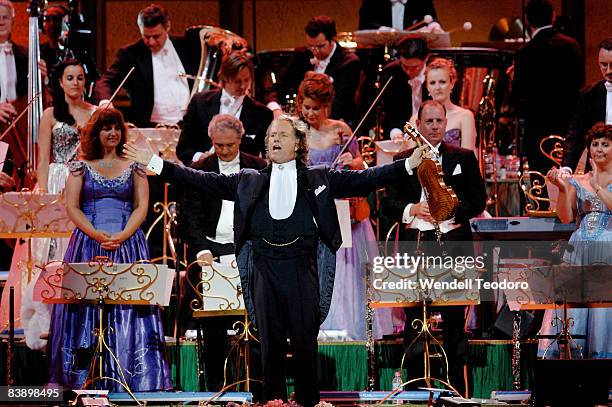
(318, 47)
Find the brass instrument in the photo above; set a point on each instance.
(486, 125)
(216, 43)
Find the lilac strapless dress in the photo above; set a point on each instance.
(136, 336)
(453, 137)
(348, 306)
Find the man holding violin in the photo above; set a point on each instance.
(407, 204)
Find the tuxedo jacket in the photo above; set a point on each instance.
(345, 70)
(376, 13)
(548, 75)
(321, 184)
(21, 67)
(203, 210)
(591, 109)
(397, 100)
(139, 86)
(461, 173)
(254, 116)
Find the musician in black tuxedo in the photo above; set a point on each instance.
(323, 55)
(14, 69)
(286, 234)
(407, 89)
(594, 106)
(210, 234)
(548, 74)
(157, 91)
(235, 75)
(374, 14)
(407, 205)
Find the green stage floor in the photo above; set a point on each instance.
(342, 365)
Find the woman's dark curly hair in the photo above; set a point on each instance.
(599, 130)
(315, 86)
(60, 106)
(301, 129)
(91, 148)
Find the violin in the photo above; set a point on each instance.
(441, 199)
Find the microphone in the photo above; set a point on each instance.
(467, 26)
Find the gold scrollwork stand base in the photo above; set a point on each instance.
(429, 341)
(241, 346)
(101, 347)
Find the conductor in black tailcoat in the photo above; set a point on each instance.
(286, 233)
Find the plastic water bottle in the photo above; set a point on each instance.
(396, 383)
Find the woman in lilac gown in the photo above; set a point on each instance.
(107, 199)
(325, 139)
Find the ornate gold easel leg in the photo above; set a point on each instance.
(241, 346)
(167, 219)
(100, 347)
(426, 336)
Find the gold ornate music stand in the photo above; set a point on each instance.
(103, 282)
(161, 141)
(218, 293)
(404, 296)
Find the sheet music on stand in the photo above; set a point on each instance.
(159, 140)
(29, 214)
(139, 283)
(410, 277)
(548, 286)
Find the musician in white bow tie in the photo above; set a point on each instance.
(594, 106)
(286, 238)
(13, 65)
(157, 88)
(398, 14)
(210, 235)
(236, 77)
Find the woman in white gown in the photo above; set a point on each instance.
(58, 142)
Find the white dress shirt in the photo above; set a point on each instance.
(397, 14)
(414, 222)
(171, 92)
(230, 104)
(283, 190)
(320, 65)
(8, 73)
(225, 227)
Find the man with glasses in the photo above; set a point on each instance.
(324, 55)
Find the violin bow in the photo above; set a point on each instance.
(16, 119)
(350, 140)
(119, 87)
